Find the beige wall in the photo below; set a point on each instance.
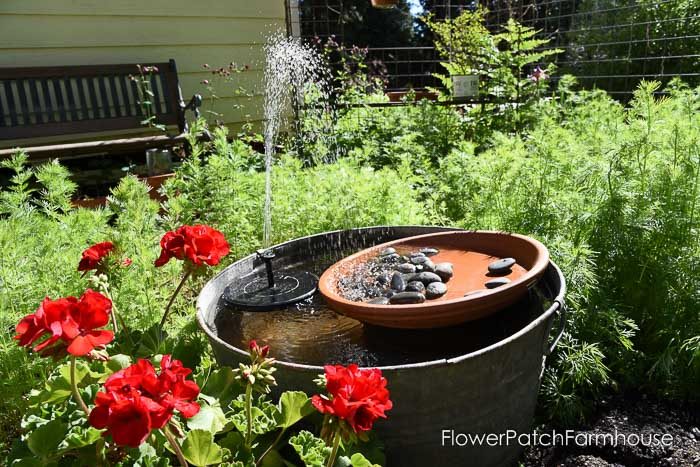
(193, 32)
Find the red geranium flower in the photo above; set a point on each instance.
(128, 420)
(147, 397)
(358, 396)
(68, 324)
(92, 257)
(199, 244)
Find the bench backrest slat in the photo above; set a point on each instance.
(53, 101)
(10, 99)
(72, 107)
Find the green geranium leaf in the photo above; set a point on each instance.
(273, 459)
(57, 388)
(293, 406)
(147, 456)
(44, 441)
(200, 449)
(31, 462)
(80, 437)
(358, 460)
(210, 418)
(223, 385)
(153, 341)
(233, 441)
(118, 362)
(265, 415)
(311, 450)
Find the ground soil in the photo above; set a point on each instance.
(640, 415)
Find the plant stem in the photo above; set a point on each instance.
(172, 298)
(114, 320)
(176, 447)
(74, 388)
(116, 316)
(248, 414)
(334, 452)
(274, 443)
(100, 454)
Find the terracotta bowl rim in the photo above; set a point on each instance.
(532, 274)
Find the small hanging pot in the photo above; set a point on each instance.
(384, 4)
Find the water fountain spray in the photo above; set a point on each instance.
(291, 70)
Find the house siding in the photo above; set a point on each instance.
(88, 32)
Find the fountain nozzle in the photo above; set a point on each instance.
(267, 256)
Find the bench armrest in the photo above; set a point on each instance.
(194, 104)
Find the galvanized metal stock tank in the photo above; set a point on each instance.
(492, 390)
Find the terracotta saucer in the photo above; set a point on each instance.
(470, 253)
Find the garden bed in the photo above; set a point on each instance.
(625, 415)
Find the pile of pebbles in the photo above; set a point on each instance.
(392, 278)
(410, 279)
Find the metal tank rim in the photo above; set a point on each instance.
(557, 305)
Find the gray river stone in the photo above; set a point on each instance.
(383, 279)
(429, 251)
(429, 266)
(405, 298)
(415, 286)
(502, 266)
(497, 282)
(419, 259)
(397, 282)
(387, 251)
(435, 290)
(406, 268)
(379, 301)
(444, 270)
(427, 277)
(416, 254)
(390, 258)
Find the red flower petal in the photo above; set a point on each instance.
(99, 416)
(129, 423)
(92, 256)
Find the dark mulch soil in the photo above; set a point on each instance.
(627, 415)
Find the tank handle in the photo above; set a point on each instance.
(562, 326)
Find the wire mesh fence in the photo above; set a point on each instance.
(608, 44)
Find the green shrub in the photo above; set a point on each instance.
(217, 188)
(615, 194)
(42, 237)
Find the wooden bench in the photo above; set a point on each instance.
(90, 102)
